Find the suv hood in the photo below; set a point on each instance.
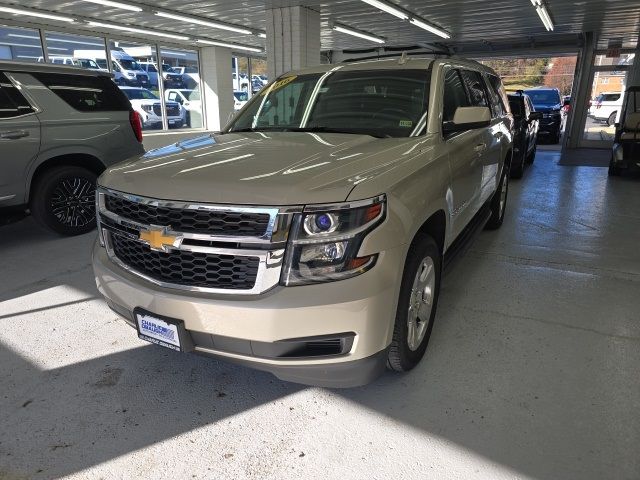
(256, 168)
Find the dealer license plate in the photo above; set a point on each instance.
(161, 331)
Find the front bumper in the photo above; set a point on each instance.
(363, 306)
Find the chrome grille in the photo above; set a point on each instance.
(191, 269)
(195, 221)
(196, 247)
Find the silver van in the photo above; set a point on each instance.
(60, 127)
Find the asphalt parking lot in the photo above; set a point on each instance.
(532, 369)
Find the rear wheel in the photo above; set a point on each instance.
(499, 202)
(613, 170)
(517, 169)
(611, 121)
(63, 200)
(416, 305)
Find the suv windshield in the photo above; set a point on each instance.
(544, 97)
(139, 94)
(382, 103)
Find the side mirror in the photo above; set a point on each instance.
(468, 118)
(535, 116)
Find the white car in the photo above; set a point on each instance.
(240, 98)
(190, 102)
(607, 107)
(190, 76)
(150, 108)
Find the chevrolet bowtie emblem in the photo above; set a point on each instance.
(158, 239)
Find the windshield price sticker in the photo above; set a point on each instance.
(279, 84)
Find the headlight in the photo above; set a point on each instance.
(131, 74)
(325, 240)
(147, 108)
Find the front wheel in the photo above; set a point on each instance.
(499, 202)
(416, 305)
(611, 121)
(63, 200)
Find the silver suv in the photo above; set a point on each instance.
(60, 127)
(308, 237)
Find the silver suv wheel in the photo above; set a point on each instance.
(421, 303)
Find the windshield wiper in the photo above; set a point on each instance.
(323, 129)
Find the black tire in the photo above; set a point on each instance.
(532, 156)
(611, 121)
(517, 169)
(63, 200)
(555, 138)
(401, 356)
(613, 170)
(498, 208)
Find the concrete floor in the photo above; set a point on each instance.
(532, 369)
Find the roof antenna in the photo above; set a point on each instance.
(403, 58)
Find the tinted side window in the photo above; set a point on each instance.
(455, 95)
(12, 103)
(476, 87)
(497, 90)
(86, 93)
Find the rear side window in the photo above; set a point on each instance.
(12, 102)
(86, 93)
(455, 95)
(497, 95)
(476, 87)
(611, 97)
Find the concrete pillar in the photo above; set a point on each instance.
(581, 94)
(633, 80)
(217, 86)
(293, 39)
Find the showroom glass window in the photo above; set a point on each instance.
(455, 95)
(21, 44)
(76, 50)
(181, 80)
(134, 71)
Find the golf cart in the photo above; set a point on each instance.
(626, 148)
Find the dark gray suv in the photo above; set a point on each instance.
(60, 127)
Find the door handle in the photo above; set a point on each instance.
(13, 134)
(481, 147)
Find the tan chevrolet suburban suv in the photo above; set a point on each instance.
(307, 238)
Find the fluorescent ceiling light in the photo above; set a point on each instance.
(356, 33)
(430, 28)
(229, 45)
(542, 12)
(385, 7)
(35, 13)
(138, 30)
(206, 23)
(110, 3)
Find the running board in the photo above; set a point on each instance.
(461, 244)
